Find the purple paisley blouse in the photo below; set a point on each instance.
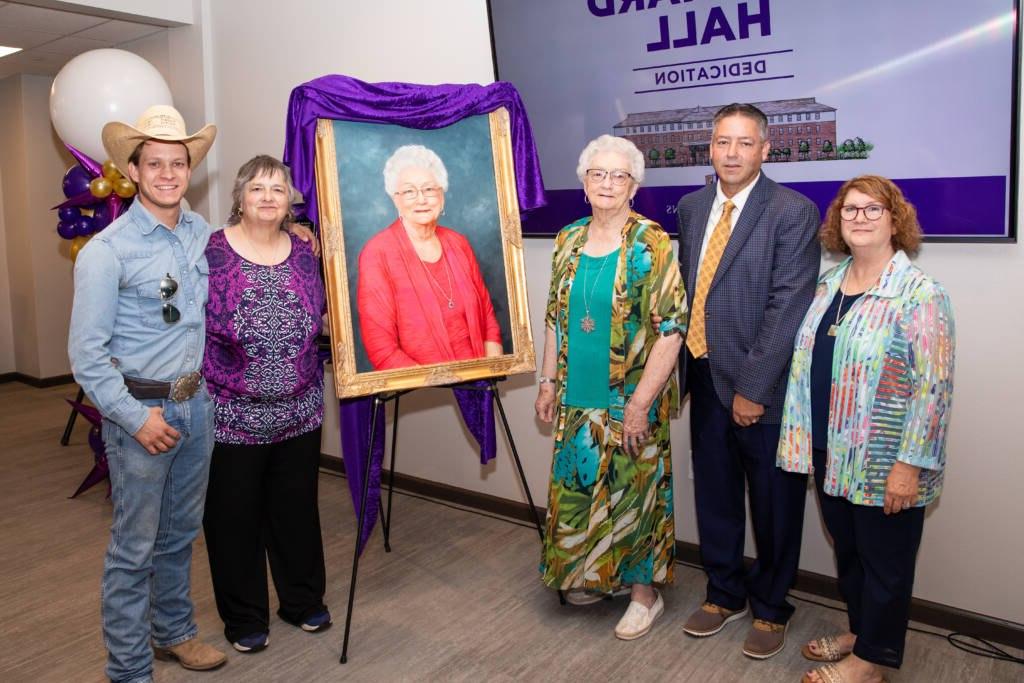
(261, 362)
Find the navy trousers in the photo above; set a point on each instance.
(728, 460)
(875, 558)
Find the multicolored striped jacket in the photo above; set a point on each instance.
(892, 385)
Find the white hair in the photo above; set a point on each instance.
(610, 143)
(413, 156)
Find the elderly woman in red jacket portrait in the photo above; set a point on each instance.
(421, 296)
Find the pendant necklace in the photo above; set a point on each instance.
(450, 295)
(833, 329)
(588, 324)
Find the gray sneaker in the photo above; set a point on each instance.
(710, 618)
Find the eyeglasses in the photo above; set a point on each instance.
(168, 288)
(872, 212)
(597, 175)
(412, 193)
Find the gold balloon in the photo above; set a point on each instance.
(110, 171)
(124, 188)
(76, 245)
(101, 187)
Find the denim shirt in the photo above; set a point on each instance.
(117, 325)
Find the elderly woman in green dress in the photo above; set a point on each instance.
(608, 386)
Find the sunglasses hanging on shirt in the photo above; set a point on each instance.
(168, 288)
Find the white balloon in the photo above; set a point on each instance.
(101, 86)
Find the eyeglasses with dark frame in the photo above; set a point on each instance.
(619, 177)
(872, 212)
(168, 288)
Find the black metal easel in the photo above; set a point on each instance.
(66, 437)
(379, 400)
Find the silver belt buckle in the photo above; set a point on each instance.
(185, 387)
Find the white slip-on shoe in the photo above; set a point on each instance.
(638, 620)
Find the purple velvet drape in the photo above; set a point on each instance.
(405, 104)
(414, 106)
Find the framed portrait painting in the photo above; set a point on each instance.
(423, 254)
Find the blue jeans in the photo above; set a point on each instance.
(158, 510)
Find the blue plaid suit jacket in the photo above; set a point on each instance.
(761, 291)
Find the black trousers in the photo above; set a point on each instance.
(875, 558)
(727, 461)
(261, 504)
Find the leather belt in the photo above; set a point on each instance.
(181, 389)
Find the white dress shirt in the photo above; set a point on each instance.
(739, 200)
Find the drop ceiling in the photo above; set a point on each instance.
(50, 37)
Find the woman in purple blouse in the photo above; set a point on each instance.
(262, 322)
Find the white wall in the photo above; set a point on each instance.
(46, 157)
(6, 334)
(160, 12)
(38, 270)
(15, 206)
(972, 554)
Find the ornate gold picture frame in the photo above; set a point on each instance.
(481, 205)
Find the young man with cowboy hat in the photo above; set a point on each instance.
(136, 347)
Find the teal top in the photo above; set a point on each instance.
(587, 375)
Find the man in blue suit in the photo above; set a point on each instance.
(750, 257)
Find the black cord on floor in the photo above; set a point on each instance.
(987, 649)
(960, 641)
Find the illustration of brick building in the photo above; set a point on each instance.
(799, 129)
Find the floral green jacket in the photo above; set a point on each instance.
(647, 282)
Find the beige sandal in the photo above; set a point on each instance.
(828, 650)
(827, 674)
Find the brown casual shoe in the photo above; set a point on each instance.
(710, 618)
(192, 654)
(765, 639)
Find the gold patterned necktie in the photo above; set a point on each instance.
(696, 338)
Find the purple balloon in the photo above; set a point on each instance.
(69, 213)
(66, 229)
(84, 226)
(101, 216)
(76, 181)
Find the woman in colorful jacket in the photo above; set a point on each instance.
(608, 386)
(867, 407)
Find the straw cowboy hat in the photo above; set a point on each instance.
(159, 122)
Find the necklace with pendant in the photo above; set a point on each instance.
(588, 324)
(450, 294)
(833, 329)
